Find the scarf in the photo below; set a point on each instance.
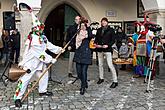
(82, 35)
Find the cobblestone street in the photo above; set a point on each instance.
(129, 95)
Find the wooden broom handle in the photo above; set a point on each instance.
(47, 69)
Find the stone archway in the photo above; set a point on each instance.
(47, 7)
(57, 22)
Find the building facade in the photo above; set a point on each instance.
(59, 14)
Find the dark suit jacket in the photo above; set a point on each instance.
(105, 38)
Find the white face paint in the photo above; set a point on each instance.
(138, 28)
(142, 28)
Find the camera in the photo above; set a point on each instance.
(155, 28)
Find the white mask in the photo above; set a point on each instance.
(142, 28)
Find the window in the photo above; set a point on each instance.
(140, 9)
(129, 27)
(115, 24)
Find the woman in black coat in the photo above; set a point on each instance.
(83, 56)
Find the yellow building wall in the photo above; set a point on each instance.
(126, 10)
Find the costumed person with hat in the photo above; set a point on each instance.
(140, 51)
(143, 43)
(34, 61)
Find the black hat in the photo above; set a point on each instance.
(104, 19)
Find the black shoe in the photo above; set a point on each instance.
(46, 94)
(114, 84)
(82, 91)
(100, 81)
(18, 103)
(86, 86)
(70, 75)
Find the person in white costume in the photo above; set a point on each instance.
(34, 61)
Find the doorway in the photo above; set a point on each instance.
(58, 21)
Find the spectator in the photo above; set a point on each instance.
(1, 47)
(83, 56)
(71, 31)
(15, 38)
(104, 41)
(121, 37)
(7, 44)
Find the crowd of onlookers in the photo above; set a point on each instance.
(103, 40)
(9, 46)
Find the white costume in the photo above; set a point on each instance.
(35, 58)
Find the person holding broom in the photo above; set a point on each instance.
(34, 61)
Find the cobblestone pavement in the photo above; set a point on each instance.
(129, 95)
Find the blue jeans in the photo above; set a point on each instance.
(82, 74)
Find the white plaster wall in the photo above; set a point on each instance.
(150, 4)
(125, 10)
(32, 3)
(156, 8)
(161, 4)
(153, 4)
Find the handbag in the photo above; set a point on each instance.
(91, 44)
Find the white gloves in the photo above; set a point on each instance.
(62, 50)
(54, 60)
(69, 48)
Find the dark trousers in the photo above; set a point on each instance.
(16, 52)
(1, 51)
(82, 74)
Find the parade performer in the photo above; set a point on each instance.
(34, 61)
(143, 45)
(141, 52)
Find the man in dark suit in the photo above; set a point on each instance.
(71, 31)
(15, 38)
